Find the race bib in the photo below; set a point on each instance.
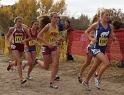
(18, 39)
(103, 41)
(52, 40)
(95, 51)
(32, 42)
(13, 46)
(43, 49)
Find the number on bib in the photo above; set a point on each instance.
(103, 41)
(18, 39)
(52, 40)
(95, 51)
(32, 42)
(43, 49)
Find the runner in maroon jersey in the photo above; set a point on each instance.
(30, 48)
(16, 44)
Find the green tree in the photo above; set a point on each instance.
(80, 23)
(117, 15)
(84, 22)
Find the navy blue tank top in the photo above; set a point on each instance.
(102, 36)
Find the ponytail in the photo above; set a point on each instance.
(43, 21)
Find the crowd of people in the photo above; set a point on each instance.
(46, 31)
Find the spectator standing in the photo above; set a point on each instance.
(69, 29)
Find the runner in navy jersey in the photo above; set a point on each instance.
(89, 56)
(101, 35)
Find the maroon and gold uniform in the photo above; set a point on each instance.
(32, 42)
(17, 37)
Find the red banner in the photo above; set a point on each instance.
(115, 50)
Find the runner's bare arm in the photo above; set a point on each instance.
(8, 34)
(90, 29)
(28, 34)
(40, 35)
(112, 35)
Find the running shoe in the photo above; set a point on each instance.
(23, 65)
(86, 85)
(34, 62)
(23, 80)
(9, 66)
(28, 77)
(57, 77)
(96, 74)
(53, 85)
(13, 68)
(97, 83)
(80, 81)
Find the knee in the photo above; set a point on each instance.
(87, 63)
(19, 61)
(30, 63)
(108, 64)
(46, 68)
(56, 65)
(94, 67)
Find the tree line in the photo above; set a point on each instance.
(29, 10)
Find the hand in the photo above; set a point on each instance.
(38, 43)
(25, 47)
(114, 39)
(22, 42)
(9, 46)
(50, 45)
(94, 40)
(61, 39)
(115, 42)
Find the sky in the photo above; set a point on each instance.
(88, 7)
